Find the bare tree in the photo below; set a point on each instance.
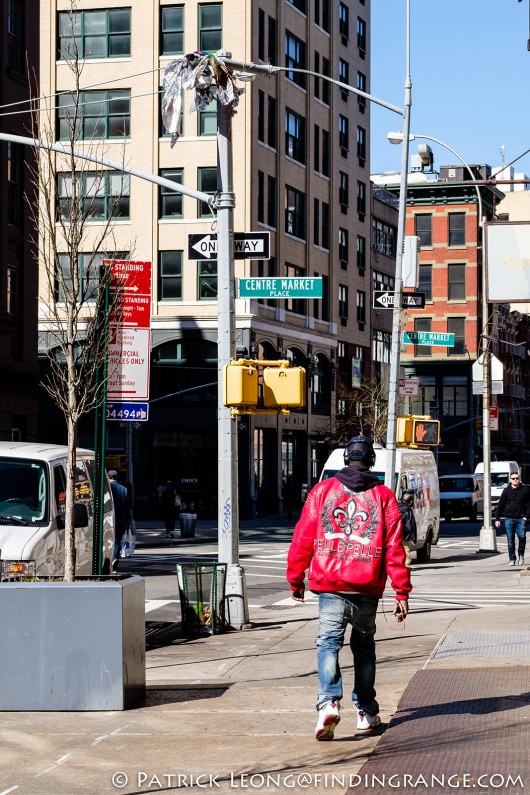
(365, 411)
(75, 302)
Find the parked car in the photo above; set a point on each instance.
(461, 496)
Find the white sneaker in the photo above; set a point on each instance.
(366, 722)
(521, 560)
(511, 563)
(328, 717)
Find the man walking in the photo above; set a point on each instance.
(514, 506)
(350, 537)
(122, 514)
(410, 530)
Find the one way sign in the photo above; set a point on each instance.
(386, 299)
(247, 245)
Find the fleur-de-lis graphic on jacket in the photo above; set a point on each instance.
(351, 520)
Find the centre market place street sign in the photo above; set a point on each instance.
(281, 287)
(429, 338)
(247, 245)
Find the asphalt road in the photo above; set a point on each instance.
(263, 555)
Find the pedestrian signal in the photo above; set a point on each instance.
(284, 387)
(240, 385)
(418, 431)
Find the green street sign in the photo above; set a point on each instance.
(429, 338)
(280, 287)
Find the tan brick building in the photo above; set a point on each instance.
(301, 172)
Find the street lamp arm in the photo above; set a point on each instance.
(268, 69)
(116, 165)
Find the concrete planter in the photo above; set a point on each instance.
(72, 646)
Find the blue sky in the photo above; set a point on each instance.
(470, 71)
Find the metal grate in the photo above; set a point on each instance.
(483, 644)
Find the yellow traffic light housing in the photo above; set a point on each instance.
(240, 385)
(418, 431)
(284, 387)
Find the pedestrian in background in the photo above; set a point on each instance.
(514, 505)
(288, 497)
(168, 499)
(122, 514)
(350, 537)
(410, 530)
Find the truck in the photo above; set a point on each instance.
(500, 477)
(416, 470)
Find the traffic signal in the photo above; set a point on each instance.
(284, 387)
(240, 385)
(418, 431)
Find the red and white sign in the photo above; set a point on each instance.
(129, 330)
(409, 386)
(494, 418)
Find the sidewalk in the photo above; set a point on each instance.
(235, 712)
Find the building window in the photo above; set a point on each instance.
(207, 117)
(361, 36)
(325, 225)
(344, 247)
(301, 5)
(326, 159)
(425, 281)
(261, 197)
(295, 58)
(381, 344)
(456, 278)
(361, 85)
(272, 40)
(454, 396)
(457, 326)
(86, 272)
(361, 253)
(170, 276)
(170, 201)
(361, 307)
(423, 228)
(316, 222)
(318, 80)
(210, 27)
(457, 229)
(96, 114)
(384, 237)
(295, 215)
(207, 183)
(424, 403)
(295, 136)
(261, 116)
(271, 202)
(361, 145)
(344, 77)
(361, 199)
(344, 22)
(382, 281)
(422, 324)
(326, 15)
(297, 305)
(15, 191)
(343, 303)
(95, 34)
(104, 194)
(172, 30)
(261, 34)
(326, 85)
(344, 190)
(15, 32)
(344, 135)
(207, 280)
(316, 148)
(324, 303)
(271, 122)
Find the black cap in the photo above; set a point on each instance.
(360, 448)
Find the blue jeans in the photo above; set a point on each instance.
(515, 527)
(336, 611)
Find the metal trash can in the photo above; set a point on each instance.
(202, 597)
(188, 523)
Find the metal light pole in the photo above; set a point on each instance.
(488, 540)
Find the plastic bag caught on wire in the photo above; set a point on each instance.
(198, 71)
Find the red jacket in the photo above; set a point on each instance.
(350, 537)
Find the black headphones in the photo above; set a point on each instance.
(360, 448)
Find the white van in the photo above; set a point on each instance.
(32, 499)
(416, 470)
(500, 477)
